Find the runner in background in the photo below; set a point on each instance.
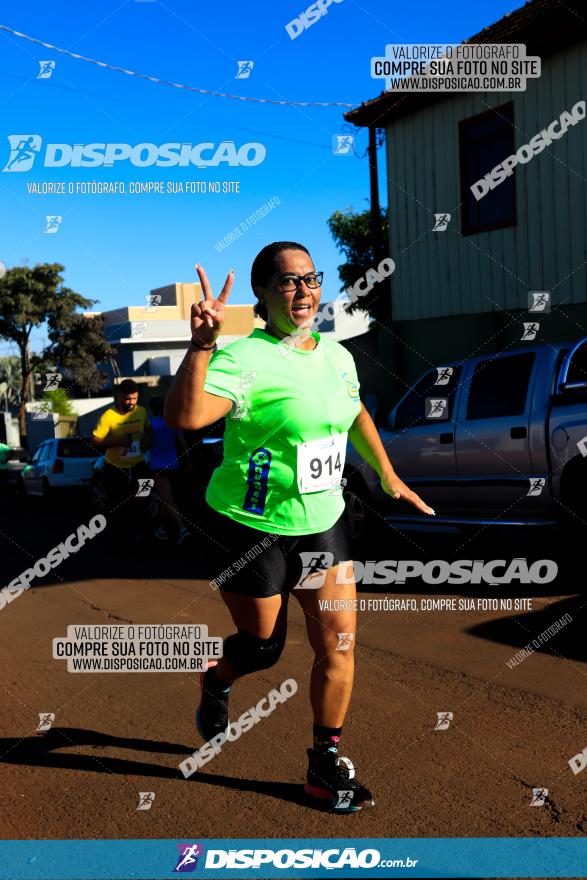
(123, 435)
(165, 468)
(290, 398)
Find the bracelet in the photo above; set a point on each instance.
(202, 347)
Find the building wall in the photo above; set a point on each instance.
(443, 273)
(146, 359)
(372, 368)
(171, 320)
(181, 294)
(238, 319)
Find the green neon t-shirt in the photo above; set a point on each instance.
(282, 398)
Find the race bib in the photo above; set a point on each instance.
(321, 463)
(133, 451)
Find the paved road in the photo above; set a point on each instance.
(117, 734)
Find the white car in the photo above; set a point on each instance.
(63, 463)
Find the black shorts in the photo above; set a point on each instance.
(122, 483)
(260, 564)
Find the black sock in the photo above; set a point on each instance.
(326, 738)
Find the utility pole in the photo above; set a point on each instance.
(379, 246)
(374, 195)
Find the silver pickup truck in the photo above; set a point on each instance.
(498, 439)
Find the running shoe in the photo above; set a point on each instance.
(182, 536)
(332, 779)
(212, 713)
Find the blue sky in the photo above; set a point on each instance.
(116, 248)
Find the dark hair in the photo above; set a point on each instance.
(156, 405)
(264, 266)
(128, 386)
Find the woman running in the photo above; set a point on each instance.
(291, 399)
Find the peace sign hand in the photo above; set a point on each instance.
(208, 315)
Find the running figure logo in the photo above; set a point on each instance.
(314, 570)
(137, 329)
(342, 144)
(242, 409)
(539, 301)
(536, 486)
(53, 380)
(47, 68)
(436, 407)
(23, 151)
(189, 853)
(53, 223)
(146, 799)
(44, 411)
(245, 69)
(444, 719)
(247, 378)
(153, 302)
(338, 486)
(539, 795)
(46, 719)
(344, 799)
(444, 375)
(530, 331)
(145, 486)
(344, 641)
(441, 222)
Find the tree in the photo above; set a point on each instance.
(352, 232)
(31, 297)
(77, 344)
(11, 376)
(60, 402)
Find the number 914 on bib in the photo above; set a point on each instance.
(321, 463)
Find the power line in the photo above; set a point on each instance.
(45, 84)
(173, 85)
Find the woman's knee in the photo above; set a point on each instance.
(248, 653)
(330, 633)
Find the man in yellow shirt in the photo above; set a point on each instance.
(123, 435)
